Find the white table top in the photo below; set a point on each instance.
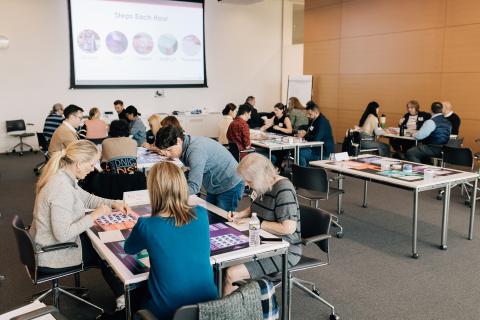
(424, 184)
(270, 140)
(128, 277)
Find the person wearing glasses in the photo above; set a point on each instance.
(66, 133)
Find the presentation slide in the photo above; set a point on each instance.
(137, 43)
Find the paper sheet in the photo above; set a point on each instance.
(111, 236)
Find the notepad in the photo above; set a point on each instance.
(111, 236)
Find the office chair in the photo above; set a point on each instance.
(41, 313)
(461, 159)
(233, 148)
(28, 257)
(313, 184)
(112, 185)
(43, 145)
(189, 312)
(353, 144)
(17, 128)
(315, 230)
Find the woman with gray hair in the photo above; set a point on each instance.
(276, 204)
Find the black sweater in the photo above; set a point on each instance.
(455, 121)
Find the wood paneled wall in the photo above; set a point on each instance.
(393, 51)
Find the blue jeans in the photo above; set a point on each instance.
(307, 155)
(229, 199)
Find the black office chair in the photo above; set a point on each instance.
(353, 144)
(315, 230)
(112, 185)
(17, 128)
(313, 184)
(28, 257)
(462, 159)
(43, 145)
(35, 314)
(233, 148)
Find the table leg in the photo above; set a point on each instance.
(340, 196)
(473, 202)
(296, 153)
(365, 194)
(321, 151)
(270, 154)
(285, 288)
(128, 303)
(219, 279)
(414, 227)
(446, 206)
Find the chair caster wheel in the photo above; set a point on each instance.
(439, 197)
(415, 256)
(339, 235)
(443, 247)
(316, 292)
(467, 203)
(334, 317)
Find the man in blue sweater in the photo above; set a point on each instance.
(210, 164)
(434, 133)
(318, 129)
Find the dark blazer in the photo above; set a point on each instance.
(422, 117)
(455, 121)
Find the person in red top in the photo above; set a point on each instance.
(239, 132)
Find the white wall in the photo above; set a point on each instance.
(243, 54)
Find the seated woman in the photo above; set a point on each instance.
(412, 121)
(155, 123)
(280, 124)
(119, 152)
(177, 238)
(368, 127)
(297, 113)
(276, 205)
(137, 128)
(59, 212)
(228, 115)
(95, 127)
(171, 121)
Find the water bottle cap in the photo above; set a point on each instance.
(254, 214)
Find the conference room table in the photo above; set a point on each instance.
(422, 178)
(133, 280)
(395, 134)
(274, 142)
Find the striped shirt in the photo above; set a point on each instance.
(52, 122)
(278, 205)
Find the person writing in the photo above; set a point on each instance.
(119, 151)
(177, 238)
(319, 129)
(434, 133)
(59, 213)
(66, 133)
(210, 163)
(276, 205)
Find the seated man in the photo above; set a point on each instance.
(452, 117)
(434, 133)
(66, 133)
(238, 131)
(210, 164)
(318, 129)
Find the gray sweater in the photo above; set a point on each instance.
(59, 216)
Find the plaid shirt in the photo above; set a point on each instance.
(239, 132)
(269, 301)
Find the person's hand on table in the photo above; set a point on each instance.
(276, 127)
(121, 206)
(102, 210)
(301, 133)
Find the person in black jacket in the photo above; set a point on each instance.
(451, 116)
(255, 119)
(122, 114)
(413, 120)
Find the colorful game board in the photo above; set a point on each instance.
(224, 238)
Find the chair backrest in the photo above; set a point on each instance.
(15, 126)
(112, 185)
(456, 142)
(315, 222)
(310, 178)
(233, 148)
(25, 244)
(458, 156)
(42, 142)
(187, 313)
(96, 141)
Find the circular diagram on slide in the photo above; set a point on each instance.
(191, 45)
(142, 43)
(88, 41)
(116, 42)
(167, 44)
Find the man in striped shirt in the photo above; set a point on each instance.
(53, 121)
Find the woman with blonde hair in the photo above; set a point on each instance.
(276, 204)
(177, 239)
(59, 212)
(95, 127)
(297, 113)
(155, 123)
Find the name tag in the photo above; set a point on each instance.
(280, 125)
(420, 118)
(311, 128)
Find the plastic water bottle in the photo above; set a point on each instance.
(254, 230)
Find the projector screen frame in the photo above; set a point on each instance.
(73, 85)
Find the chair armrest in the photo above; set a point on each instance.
(59, 246)
(249, 150)
(144, 314)
(310, 240)
(36, 313)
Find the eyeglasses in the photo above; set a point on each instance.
(77, 116)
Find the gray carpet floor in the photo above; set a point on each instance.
(371, 275)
